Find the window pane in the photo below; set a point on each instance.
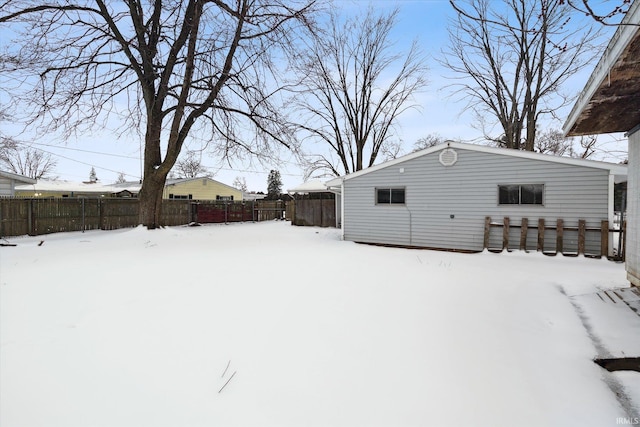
(397, 195)
(509, 194)
(531, 194)
(383, 195)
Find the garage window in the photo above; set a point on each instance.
(521, 194)
(390, 196)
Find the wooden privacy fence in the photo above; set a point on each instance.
(553, 238)
(314, 212)
(43, 216)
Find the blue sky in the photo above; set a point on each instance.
(424, 20)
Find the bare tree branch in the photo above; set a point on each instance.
(173, 69)
(510, 62)
(356, 84)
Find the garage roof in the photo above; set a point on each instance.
(610, 101)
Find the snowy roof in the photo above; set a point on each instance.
(132, 186)
(314, 186)
(615, 169)
(59, 185)
(176, 181)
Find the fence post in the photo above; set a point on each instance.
(83, 215)
(487, 230)
(582, 231)
(541, 234)
(604, 238)
(559, 236)
(31, 219)
(101, 214)
(524, 229)
(505, 233)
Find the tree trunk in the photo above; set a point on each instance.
(151, 200)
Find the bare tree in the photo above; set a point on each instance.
(607, 14)
(29, 162)
(181, 65)
(553, 141)
(431, 140)
(122, 178)
(191, 166)
(240, 183)
(511, 58)
(355, 85)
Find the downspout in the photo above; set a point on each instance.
(342, 209)
(410, 224)
(610, 208)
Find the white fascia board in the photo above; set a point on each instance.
(612, 167)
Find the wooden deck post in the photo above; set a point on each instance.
(505, 233)
(582, 230)
(541, 234)
(487, 229)
(604, 238)
(559, 236)
(523, 234)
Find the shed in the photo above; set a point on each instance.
(609, 103)
(9, 181)
(440, 197)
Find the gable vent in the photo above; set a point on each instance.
(448, 157)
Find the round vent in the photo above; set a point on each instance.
(448, 157)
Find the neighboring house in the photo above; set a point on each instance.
(188, 188)
(439, 197)
(9, 181)
(200, 189)
(47, 189)
(609, 103)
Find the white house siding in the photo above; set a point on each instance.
(468, 191)
(633, 210)
(6, 187)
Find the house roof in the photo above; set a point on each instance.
(314, 186)
(615, 169)
(184, 180)
(16, 177)
(79, 187)
(610, 101)
(82, 187)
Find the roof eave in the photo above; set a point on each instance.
(616, 47)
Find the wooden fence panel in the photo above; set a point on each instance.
(267, 210)
(14, 217)
(119, 213)
(175, 212)
(315, 212)
(62, 215)
(219, 212)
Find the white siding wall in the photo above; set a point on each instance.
(468, 191)
(6, 186)
(633, 211)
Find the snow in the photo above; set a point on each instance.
(267, 324)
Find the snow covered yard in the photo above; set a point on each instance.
(272, 325)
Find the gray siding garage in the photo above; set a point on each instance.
(439, 197)
(8, 182)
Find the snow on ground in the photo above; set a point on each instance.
(272, 325)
